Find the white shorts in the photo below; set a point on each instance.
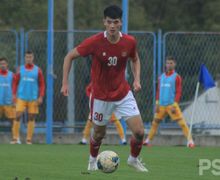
(101, 111)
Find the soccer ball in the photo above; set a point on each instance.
(107, 161)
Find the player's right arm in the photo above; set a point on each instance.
(157, 96)
(66, 69)
(15, 82)
(84, 49)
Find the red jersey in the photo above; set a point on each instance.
(108, 65)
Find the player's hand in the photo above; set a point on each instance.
(40, 100)
(173, 109)
(136, 86)
(65, 89)
(157, 108)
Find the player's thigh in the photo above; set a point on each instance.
(10, 112)
(33, 107)
(100, 111)
(21, 105)
(161, 114)
(127, 107)
(178, 113)
(136, 125)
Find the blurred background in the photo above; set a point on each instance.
(187, 30)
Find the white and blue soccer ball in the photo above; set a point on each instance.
(108, 161)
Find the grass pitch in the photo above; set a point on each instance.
(69, 162)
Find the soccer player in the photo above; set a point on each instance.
(7, 107)
(167, 98)
(111, 92)
(29, 92)
(88, 126)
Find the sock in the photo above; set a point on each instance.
(94, 147)
(153, 130)
(185, 129)
(16, 129)
(135, 147)
(30, 129)
(147, 140)
(119, 128)
(87, 128)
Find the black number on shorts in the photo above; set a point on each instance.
(98, 116)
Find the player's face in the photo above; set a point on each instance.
(112, 26)
(3, 65)
(170, 65)
(29, 58)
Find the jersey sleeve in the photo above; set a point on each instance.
(16, 79)
(178, 88)
(86, 47)
(158, 90)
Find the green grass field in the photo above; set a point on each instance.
(69, 162)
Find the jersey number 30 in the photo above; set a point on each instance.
(112, 61)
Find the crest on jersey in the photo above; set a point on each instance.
(124, 54)
(104, 54)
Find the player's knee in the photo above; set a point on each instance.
(31, 117)
(18, 116)
(98, 136)
(156, 121)
(139, 135)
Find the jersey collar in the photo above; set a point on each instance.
(105, 34)
(169, 73)
(3, 72)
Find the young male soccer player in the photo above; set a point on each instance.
(89, 124)
(110, 93)
(167, 99)
(7, 106)
(29, 92)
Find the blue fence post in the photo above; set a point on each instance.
(50, 42)
(155, 71)
(22, 50)
(159, 46)
(125, 6)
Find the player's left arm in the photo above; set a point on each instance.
(136, 70)
(178, 94)
(41, 84)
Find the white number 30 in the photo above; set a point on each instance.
(112, 61)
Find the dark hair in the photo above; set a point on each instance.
(170, 58)
(3, 59)
(113, 11)
(29, 52)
